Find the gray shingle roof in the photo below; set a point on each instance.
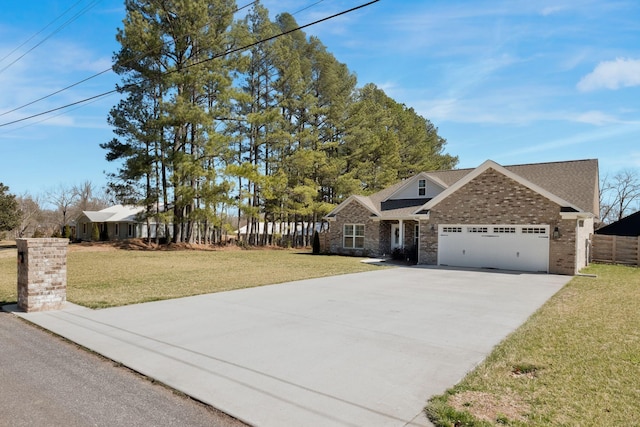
(627, 226)
(574, 181)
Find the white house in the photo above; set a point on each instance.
(117, 223)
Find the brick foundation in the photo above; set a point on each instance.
(42, 274)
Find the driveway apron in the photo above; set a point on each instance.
(351, 350)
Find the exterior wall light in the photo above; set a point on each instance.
(556, 233)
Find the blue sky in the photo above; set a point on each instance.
(515, 82)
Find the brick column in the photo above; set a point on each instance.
(42, 274)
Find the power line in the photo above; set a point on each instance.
(44, 28)
(56, 92)
(95, 75)
(220, 55)
(109, 69)
(49, 118)
(129, 61)
(57, 30)
(60, 108)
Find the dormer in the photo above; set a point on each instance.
(421, 186)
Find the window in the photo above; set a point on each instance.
(130, 230)
(422, 187)
(354, 236)
(504, 230)
(84, 228)
(476, 229)
(117, 230)
(534, 230)
(452, 229)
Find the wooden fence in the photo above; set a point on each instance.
(616, 249)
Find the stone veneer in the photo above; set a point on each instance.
(42, 274)
(493, 198)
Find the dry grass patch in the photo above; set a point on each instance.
(488, 407)
(100, 276)
(574, 362)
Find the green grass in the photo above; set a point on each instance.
(120, 277)
(575, 362)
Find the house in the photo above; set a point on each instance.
(627, 226)
(282, 228)
(532, 217)
(117, 222)
(280, 232)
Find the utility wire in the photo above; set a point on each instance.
(220, 55)
(97, 74)
(109, 69)
(49, 118)
(60, 108)
(55, 93)
(307, 7)
(129, 61)
(57, 30)
(44, 28)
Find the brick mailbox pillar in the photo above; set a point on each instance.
(42, 274)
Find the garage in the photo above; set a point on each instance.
(505, 247)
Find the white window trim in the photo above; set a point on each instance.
(422, 189)
(353, 236)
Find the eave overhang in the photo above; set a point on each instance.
(490, 164)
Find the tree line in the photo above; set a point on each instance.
(50, 214)
(278, 132)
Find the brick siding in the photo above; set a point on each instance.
(492, 198)
(355, 213)
(42, 274)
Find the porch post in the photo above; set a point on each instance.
(401, 226)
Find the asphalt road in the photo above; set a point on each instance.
(46, 381)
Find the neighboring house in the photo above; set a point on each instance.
(116, 223)
(284, 228)
(278, 233)
(533, 217)
(627, 226)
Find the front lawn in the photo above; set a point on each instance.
(575, 362)
(108, 278)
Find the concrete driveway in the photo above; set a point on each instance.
(353, 350)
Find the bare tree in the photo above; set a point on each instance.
(63, 198)
(88, 197)
(31, 215)
(618, 194)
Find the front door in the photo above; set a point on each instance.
(395, 237)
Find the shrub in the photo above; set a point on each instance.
(316, 243)
(95, 233)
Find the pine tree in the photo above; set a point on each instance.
(9, 210)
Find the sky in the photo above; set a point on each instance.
(514, 82)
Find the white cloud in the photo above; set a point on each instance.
(550, 10)
(612, 75)
(596, 118)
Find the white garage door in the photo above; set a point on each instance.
(506, 247)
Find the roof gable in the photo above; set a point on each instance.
(362, 200)
(409, 188)
(576, 181)
(571, 184)
(490, 164)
